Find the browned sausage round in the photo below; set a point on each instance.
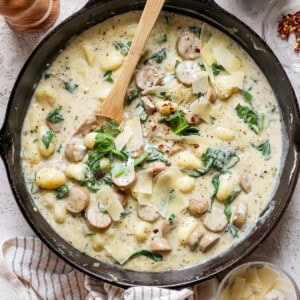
(157, 167)
(245, 183)
(195, 237)
(198, 206)
(96, 219)
(187, 72)
(208, 241)
(188, 46)
(146, 78)
(147, 213)
(215, 221)
(75, 149)
(240, 214)
(160, 245)
(78, 199)
(124, 181)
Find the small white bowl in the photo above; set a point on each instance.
(293, 295)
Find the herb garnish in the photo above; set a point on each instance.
(47, 138)
(107, 76)
(178, 124)
(150, 155)
(123, 48)
(54, 116)
(171, 219)
(111, 127)
(158, 57)
(152, 255)
(233, 230)
(254, 119)
(125, 213)
(47, 75)
(229, 199)
(62, 191)
(248, 96)
(132, 94)
(70, 86)
(196, 30)
(217, 69)
(265, 149)
(102, 209)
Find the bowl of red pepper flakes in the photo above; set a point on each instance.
(281, 31)
(290, 23)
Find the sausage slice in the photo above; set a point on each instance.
(240, 214)
(187, 72)
(124, 181)
(157, 167)
(147, 213)
(167, 226)
(208, 241)
(197, 206)
(160, 245)
(188, 46)
(195, 237)
(175, 149)
(77, 199)
(245, 183)
(215, 221)
(96, 219)
(146, 78)
(75, 149)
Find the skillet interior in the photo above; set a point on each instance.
(47, 51)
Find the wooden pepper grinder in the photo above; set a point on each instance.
(29, 15)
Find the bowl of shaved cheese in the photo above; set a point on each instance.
(257, 281)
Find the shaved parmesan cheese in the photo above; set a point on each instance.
(190, 139)
(122, 139)
(160, 88)
(136, 141)
(252, 278)
(89, 54)
(227, 85)
(202, 108)
(110, 202)
(282, 285)
(200, 84)
(267, 277)
(143, 182)
(247, 291)
(166, 198)
(205, 35)
(225, 295)
(120, 250)
(144, 199)
(275, 295)
(176, 93)
(225, 58)
(187, 95)
(237, 289)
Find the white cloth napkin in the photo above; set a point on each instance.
(30, 271)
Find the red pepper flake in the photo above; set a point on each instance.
(197, 50)
(265, 171)
(288, 24)
(196, 146)
(153, 127)
(167, 151)
(100, 175)
(155, 231)
(160, 146)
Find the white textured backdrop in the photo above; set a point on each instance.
(281, 247)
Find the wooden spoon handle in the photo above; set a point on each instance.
(113, 105)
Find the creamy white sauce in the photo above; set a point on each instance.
(71, 65)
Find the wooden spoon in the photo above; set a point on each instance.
(112, 107)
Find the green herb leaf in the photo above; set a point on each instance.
(248, 96)
(178, 124)
(265, 149)
(152, 255)
(123, 48)
(163, 38)
(217, 69)
(102, 209)
(70, 86)
(91, 233)
(108, 76)
(230, 198)
(196, 30)
(132, 94)
(233, 230)
(62, 191)
(47, 75)
(168, 19)
(177, 62)
(59, 148)
(158, 57)
(125, 213)
(171, 218)
(111, 127)
(54, 116)
(202, 67)
(150, 155)
(164, 95)
(47, 138)
(254, 119)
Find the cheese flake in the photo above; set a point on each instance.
(136, 141)
(123, 138)
(202, 108)
(200, 84)
(143, 182)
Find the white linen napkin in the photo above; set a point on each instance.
(30, 271)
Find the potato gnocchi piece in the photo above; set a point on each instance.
(186, 184)
(166, 107)
(98, 242)
(31, 153)
(46, 95)
(46, 143)
(89, 53)
(228, 182)
(142, 231)
(75, 171)
(187, 227)
(112, 62)
(225, 134)
(50, 179)
(90, 140)
(60, 213)
(188, 160)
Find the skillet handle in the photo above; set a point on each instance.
(91, 3)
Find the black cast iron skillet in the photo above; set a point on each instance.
(93, 13)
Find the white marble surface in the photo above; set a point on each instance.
(281, 247)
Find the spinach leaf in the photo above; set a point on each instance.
(230, 198)
(163, 38)
(217, 69)
(132, 94)
(202, 67)
(59, 147)
(233, 230)
(47, 75)
(123, 48)
(152, 255)
(54, 116)
(254, 119)
(107, 76)
(125, 213)
(218, 159)
(111, 127)
(91, 233)
(158, 57)
(171, 218)
(196, 30)
(265, 149)
(248, 96)
(93, 178)
(70, 86)
(178, 124)
(177, 63)
(62, 191)
(150, 155)
(47, 138)
(102, 209)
